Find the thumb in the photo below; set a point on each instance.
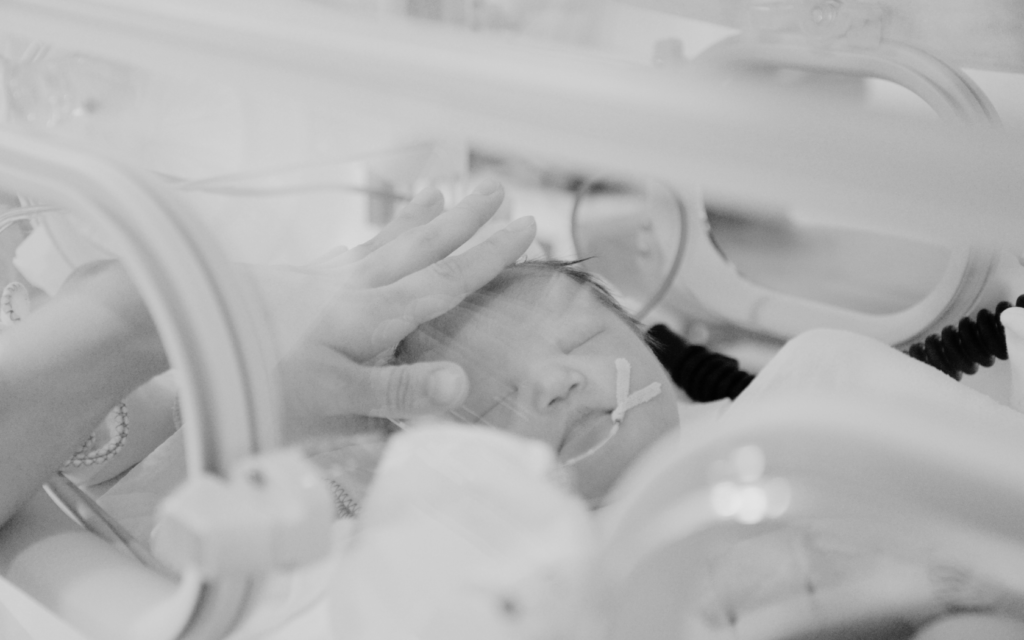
(402, 391)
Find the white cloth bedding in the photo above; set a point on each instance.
(899, 477)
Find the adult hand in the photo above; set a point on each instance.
(354, 306)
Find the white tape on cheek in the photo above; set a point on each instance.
(625, 400)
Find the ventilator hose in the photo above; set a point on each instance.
(960, 349)
(704, 375)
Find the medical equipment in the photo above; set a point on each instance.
(94, 518)
(575, 111)
(673, 247)
(703, 374)
(209, 336)
(706, 375)
(624, 401)
(961, 349)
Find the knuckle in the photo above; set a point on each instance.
(451, 270)
(391, 301)
(399, 391)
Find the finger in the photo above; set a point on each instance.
(423, 208)
(430, 292)
(403, 391)
(400, 391)
(426, 244)
(333, 257)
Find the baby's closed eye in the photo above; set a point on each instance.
(575, 336)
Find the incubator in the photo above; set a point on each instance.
(798, 185)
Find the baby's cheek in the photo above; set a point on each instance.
(642, 427)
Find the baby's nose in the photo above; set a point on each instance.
(554, 384)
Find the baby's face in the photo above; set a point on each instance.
(540, 357)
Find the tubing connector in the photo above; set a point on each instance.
(273, 512)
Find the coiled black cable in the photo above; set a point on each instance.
(960, 349)
(704, 375)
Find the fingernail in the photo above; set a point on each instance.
(447, 386)
(520, 224)
(486, 187)
(430, 195)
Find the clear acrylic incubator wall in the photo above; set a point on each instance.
(806, 187)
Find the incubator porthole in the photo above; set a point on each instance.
(632, 234)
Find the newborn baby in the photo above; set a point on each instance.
(552, 356)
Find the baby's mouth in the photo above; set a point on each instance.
(594, 438)
(583, 430)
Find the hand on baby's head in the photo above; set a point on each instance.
(540, 345)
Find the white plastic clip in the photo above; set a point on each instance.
(623, 397)
(624, 402)
(274, 512)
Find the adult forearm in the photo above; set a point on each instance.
(62, 369)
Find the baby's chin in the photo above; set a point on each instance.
(596, 476)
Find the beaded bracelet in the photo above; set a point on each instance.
(345, 506)
(86, 455)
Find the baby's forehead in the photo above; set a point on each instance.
(525, 298)
(519, 300)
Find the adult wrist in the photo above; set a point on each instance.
(120, 311)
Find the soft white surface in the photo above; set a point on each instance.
(468, 533)
(894, 471)
(22, 618)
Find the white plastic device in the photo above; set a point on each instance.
(699, 280)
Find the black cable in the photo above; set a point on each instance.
(704, 375)
(960, 349)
